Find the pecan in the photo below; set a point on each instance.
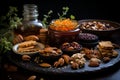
(45, 65)
(106, 59)
(94, 62)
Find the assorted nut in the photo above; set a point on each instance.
(93, 57)
(77, 60)
(50, 51)
(64, 60)
(96, 25)
(71, 46)
(104, 52)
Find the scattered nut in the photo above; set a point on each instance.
(56, 64)
(74, 65)
(26, 57)
(61, 61)
(66, 58)
(106, 59)
(94, 62)
(32, 77)
(45, 65)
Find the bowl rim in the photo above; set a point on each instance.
(75, 29)
(101, 20)
(15, 47)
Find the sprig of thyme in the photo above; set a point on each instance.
(8, 23)
(64, 13)
(45, 19)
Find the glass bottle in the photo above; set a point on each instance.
(30, 24)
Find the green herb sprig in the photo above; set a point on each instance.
(64, 13)
(7, 25)
(45, 19)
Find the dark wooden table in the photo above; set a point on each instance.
(112, 73)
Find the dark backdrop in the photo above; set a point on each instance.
(81, 9)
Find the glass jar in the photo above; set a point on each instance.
(30, 24)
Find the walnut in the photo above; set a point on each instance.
(94, 62)
(106, 59)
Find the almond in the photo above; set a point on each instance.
(56, 64)
(26, 57)
(61, 61)
(66, 58)
(45, 65)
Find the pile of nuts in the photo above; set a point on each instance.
(71, 46)
(50, 51)
(96, 25)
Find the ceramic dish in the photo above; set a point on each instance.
(102, 28)
(38, 46)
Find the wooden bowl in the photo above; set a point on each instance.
(110, 27)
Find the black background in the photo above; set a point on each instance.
(81, 9)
